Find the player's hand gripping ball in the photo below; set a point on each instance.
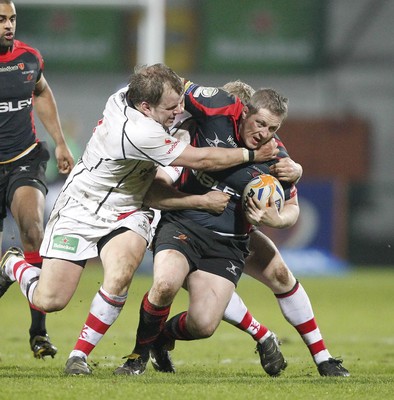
(263, 187)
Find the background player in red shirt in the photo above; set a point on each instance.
(23, 157)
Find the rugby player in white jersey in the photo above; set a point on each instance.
(99, 211)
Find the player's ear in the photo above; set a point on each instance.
(145, 108)
(245, 112)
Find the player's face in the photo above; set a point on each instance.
(257, 129)
(7, 26)
(170, 106)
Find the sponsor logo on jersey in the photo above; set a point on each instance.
(214, 142)
(181, 236)
(206, 180)
(65, 243)
(231, 141)
(10, 106)
(9, 68)
(209, 91)
(171, 149)
(205, 91)
(233, 269)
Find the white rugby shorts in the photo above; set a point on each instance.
(73, 231)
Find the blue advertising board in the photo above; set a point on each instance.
(317, 243)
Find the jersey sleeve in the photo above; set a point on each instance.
(40, 61)
(41, 65)
(290, 189)
(281, 147)
(173, 171)
(149, 141)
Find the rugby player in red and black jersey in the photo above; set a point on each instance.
(23, 157)
(264, 263)
(204, 249)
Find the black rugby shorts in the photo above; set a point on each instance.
(204, 249)
(27, 171)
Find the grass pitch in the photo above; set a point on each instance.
(354, 313)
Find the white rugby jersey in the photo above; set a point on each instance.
(120, 160)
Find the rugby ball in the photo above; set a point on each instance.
(263, 187)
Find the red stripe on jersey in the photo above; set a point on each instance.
(280, 143)
(33, 126)
(234, 110)
(20, 48)
(125, 215)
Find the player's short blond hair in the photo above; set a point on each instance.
(239, 89)
(269, 99)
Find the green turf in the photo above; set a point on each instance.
(354, 312)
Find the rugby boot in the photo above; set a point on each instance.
(161, 359)
(332, 367)
(41, 346)
(135, 365)
(77, 366)
(5, 281)
(271, 358)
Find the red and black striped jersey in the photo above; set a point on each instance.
(216, 115)
(20, 70)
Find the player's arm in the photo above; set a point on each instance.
(46, 109)
(162, 195)
(217, 158)
(259, 215)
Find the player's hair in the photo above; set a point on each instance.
(268, 99)
(239, 89)
(148, 83)
(6, 1)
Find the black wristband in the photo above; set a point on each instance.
(251, 155)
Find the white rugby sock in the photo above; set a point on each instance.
(237, 314)
(297, 309)
(104, 311)
(25, 274)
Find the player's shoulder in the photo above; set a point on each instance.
(206, 92)
(22, 46)
(211, 101)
